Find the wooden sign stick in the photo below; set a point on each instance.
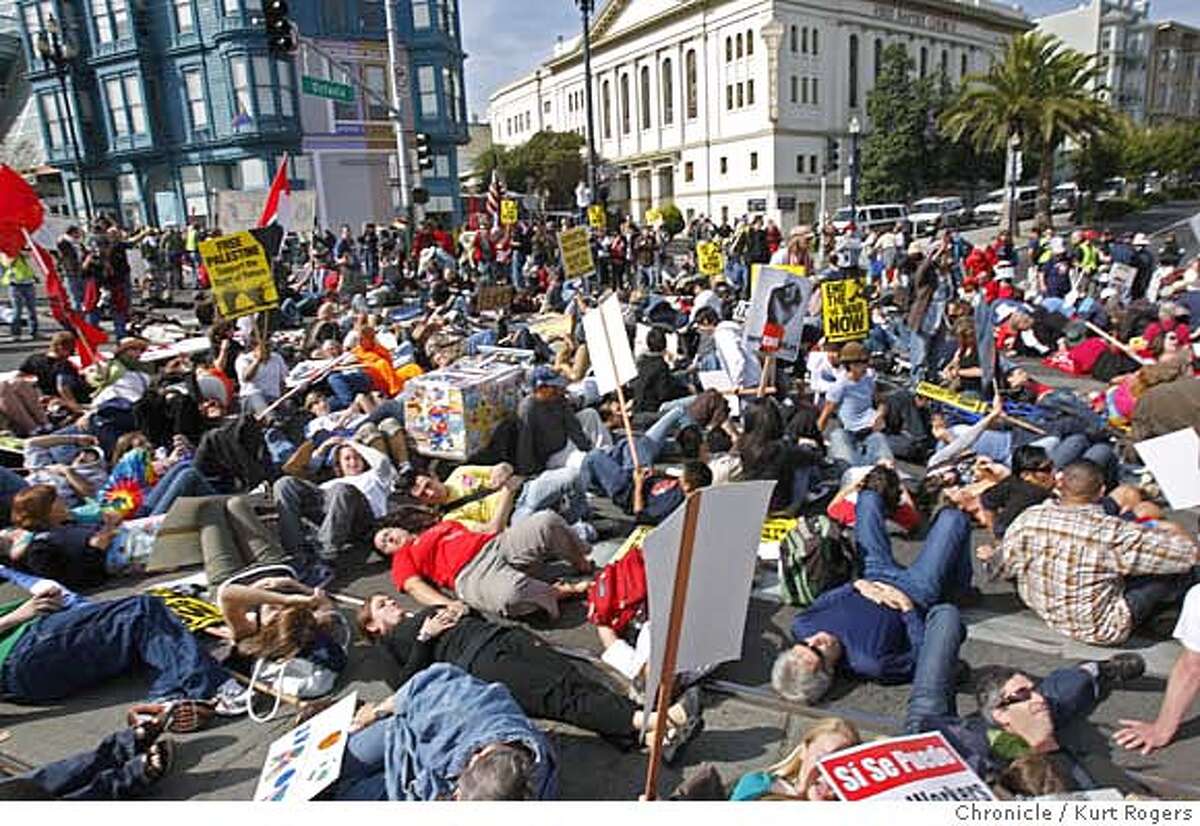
(612, 360)
(666, 685)
(341, 361)
(768, 371)
(1120, 345)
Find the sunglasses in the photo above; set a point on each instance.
(820, 656)
(1021, 695)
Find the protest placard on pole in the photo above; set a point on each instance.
(597, 218)
(306, 760)
(775, 320)
(709, 259)
(240, 274)
(508, 212)
(922, 767)
(845, 311)
(699, 569)
(1174, 460)
(576, 252)
(612, 360)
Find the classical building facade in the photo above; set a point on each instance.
(726, 107)
(1173, 74)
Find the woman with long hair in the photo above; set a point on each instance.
(768, 452)
(797, 776)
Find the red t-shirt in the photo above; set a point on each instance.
(438, 554)
(843, 512)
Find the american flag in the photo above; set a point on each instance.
(494, 197)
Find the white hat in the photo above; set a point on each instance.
(1107, 293)
(1058, 246)
(1140, 240)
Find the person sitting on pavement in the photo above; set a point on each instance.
(60, 384)
(1017, 714)
(543, 682)
(655, 383)
(1091, 576)
(798, 776)
(1183, 686)
(874, 627)
(550, 434)
(857, 437)
(451, 736)
(488, 571)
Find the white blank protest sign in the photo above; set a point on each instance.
(1174, 460)
(640, 348)
(608, 346)
(718, 593)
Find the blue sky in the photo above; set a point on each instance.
(506, 39)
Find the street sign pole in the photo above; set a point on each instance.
(406, 202)
(824, 204)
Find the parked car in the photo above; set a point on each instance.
(930, 215)
(1113, 188)
(990, 210)
(1064, 198)
(872, 217)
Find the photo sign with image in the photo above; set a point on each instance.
(775, 321)
(306, 760)
(921, 767)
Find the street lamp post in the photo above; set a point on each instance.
(60, 54)
(585, 8)
(855, 133)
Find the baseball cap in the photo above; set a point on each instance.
(544, 376)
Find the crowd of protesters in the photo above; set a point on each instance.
(284, 449)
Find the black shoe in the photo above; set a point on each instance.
(962, 674)
(1120, 669)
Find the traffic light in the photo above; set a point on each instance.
(424, 156)
(832, 159)
(281, 32)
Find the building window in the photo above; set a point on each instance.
(374, 77)
(185, 17)
(804, 41)
(449, 23)
(50, 107)
(127, 114)
(111, 18)
(963, 67)
(545, 107)
(251, 174)
(945, 68)
(795, 39)
(606, 107)
(804, 91)
(668, 93)
(689, 172)
(625, 104)
(815, 99)
(812, 164)
(693, 99)
(738, 46)
(724, 165)
(853, 71)
(644, 89)
(239, 74)
(795, 86)
(815, 49)
(741, 95)
(427, 87)
(345, 111)
(729, 50)
(421, 16)
(287, 102)
(753, 161)
(750, 92)
(729, 96)
(193, 86)
(878, 57)
(924, 61)
(264, 92)
(450, 94)
(749, 43)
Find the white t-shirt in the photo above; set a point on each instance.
(1187, 630)
(269, 378)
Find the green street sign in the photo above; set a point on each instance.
(317, 87)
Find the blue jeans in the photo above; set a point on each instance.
(846, 448)
(361, 777)
(610, 469)
(736, 273)
(1078, 446)
(941, 569)
(345, 386)
(919, 345)
(484, 338)
(76, 287)
(544, 491)
(11, 483)
(73, 650)
(516, 272)
(180, 480)
(23, 298)
(111, 771)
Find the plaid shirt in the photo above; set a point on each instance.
(1071, 562)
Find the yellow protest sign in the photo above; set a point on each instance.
(946, 396)
(845, 312)
(508, 212)
(240, 274)
(653, 216)
(576, 252)
(709, 258)
(597, 218)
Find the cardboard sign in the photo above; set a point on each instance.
(943, 395)
(576, 252)
(775, 321)
(597, 218)
(303, 762)
(845, 313)
(496, 297)
(508, 212)
(1121, 275)
(709, 259)
(608, 346)
(1174, 459)
(240, 273)
(917, 767)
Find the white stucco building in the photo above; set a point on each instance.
(726, 107)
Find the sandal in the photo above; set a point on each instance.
(179, 716)
(158, 761)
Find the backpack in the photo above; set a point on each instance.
(619, 591)
(814, 556)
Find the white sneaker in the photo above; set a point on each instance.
(585, 531)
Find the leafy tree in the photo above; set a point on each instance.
(672, 219)
(549, 160)
(1041, 92)
(894, 153)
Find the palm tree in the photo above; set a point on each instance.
(1041, 93)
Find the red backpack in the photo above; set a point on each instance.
(618, 592)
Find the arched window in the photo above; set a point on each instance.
(924, 61)
(804, 40)
(644, 91)
(728, 49)
(749, 43)
(668, 93)
(853, 71)
(606, 108)
(795, 39)
(625, 104)
(693, 99)
(815, 46)
(878, 57)
(737, 51)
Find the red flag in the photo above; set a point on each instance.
(278, 208)
(87, 337)
(20, 211)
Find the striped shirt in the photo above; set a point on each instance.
(1071, 562)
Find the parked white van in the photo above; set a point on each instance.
(929, 216)
(872, 217)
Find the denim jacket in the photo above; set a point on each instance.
(443, 716)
